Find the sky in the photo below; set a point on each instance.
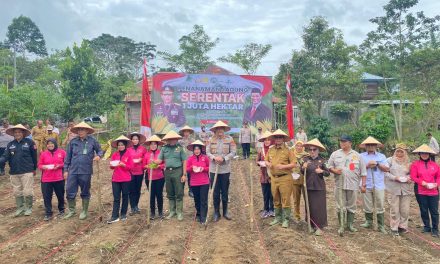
(234, 22)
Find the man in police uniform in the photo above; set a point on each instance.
(220, 150)
(22, 158)
(349, 169)
(173, 111)
(280, 161)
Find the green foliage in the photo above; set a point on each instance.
(320, 128)
(342, 109)
(23, 35)
(377, 123)
(82, 84)
(194, 49)
(116, 121)
(249, 58)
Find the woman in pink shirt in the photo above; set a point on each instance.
(157, 177)
(51, 164)
(426, 174)
(198, 166)
(137, 152)
(121, 164)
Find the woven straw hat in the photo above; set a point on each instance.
(186, 128)
(171, 135)
(316, 143)
(84, 125)
(220, 124)
(265, 135)
(10, 131)
(424, 149)
(154, 138)
(401, 146)
(280, 132)
(191, 146)
(121, 138)
(370, 140)
(142, 138)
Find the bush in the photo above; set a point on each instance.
(320, 128)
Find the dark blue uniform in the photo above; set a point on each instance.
(21, 156)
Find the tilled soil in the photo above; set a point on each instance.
(30, 240)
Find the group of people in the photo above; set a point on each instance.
(205, 163)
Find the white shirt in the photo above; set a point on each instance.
(434, 145)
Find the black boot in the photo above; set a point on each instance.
(216, 215)
(225, 211)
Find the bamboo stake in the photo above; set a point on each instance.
(374, 201)
(149, 175)
(251, 203)
(307, 201)
(99, 191)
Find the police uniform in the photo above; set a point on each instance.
(173, 112)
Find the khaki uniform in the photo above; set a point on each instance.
(38, 136)
(51, 135)
(281, 180)
(297, 186)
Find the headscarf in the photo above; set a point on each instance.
(404, 161)
(54, 141)
(122, 152)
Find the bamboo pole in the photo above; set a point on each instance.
(99, 191)
(309, 225)
(149, 175)
(251, 201)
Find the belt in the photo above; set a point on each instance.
(281, 175)
(171, 169)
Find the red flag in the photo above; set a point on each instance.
(289, 110)
(145, 105)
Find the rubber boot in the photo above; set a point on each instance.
(72, 205)
(172, 204)
(85, 209)
(28, 205)
(381, 223)
(179, 210)
(286, 217)
(341, 220)
(278, 217)
(19, 201)
(350, 220)
(368, 221)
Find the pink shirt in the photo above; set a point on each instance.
(429, 174)
(122, 174)
(198, 178)
(139, 153)
(158, 172)
(48, 158)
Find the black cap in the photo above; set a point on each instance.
(429, 134)
(345, 138)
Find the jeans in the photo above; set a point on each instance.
(267, 196)
(135, 190)
(156, 195)
(47, 189)
(201, 200)
(118, 188)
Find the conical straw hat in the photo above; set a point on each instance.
(370, 140)
(280, 132)
(10, 131)
(142, 138)
(171, 135)
(156, 139)
(316, 143)
(82, 125)
(186, 128)
(424, 149)
(121, 138)
(190, 147)
(220, 124)
(265, 135)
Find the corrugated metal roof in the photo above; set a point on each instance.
(368, 77)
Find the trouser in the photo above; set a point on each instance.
(81, 180)
(296, 190)
(156, 195)
(2, 165)
(416, 193)
(47, 189)
(188, 177)
(22, 184)
(267, 196)
(399, 211)
(429, 206)
(221, 189)
(173, 184)
(281, 191)
(201, 200)
(135, 190)
(118, 189)
(246, 149)
(345, 199)
(379, 201)
(39, 145)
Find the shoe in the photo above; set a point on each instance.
(152, 216)
(113, 220)
(381, 223)
(271, 213)
(368, 221)
(278, 217)
(226, 215)
(61, 214)
(28, 200)
(318, 232)
(19, 201)
(395, 233)
(71, 204)
(286, 217)
(47, 217)
(426, 229)
(161, 215)
(179, 210)
(403, 230)
(216, 217)
(350, 220)
(172, 209)
(132, 212)
(85, 209)
(190, 193)
(263, 213)
(434, 233)
(123, 217)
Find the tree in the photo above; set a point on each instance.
(194, 49)
(24, 35)
(249, 58)
(81, 81)
(398, 33)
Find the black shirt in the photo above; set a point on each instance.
(21, 156)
